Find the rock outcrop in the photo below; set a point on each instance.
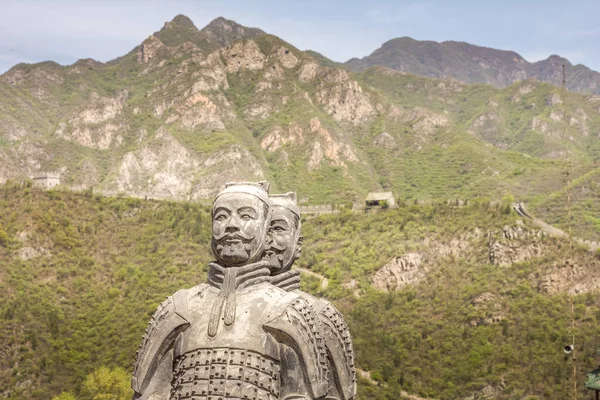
(243, 56)
(277, 137)
(384, 140)
(96, 125)
(514, 244)
(425, 122)
(569, 276)
(343, 98)
(199, 110)
(233, 163)
(163, 168)
(334, 149)
(308, 71)
(489, 308)
(148, 49)
(400, 272)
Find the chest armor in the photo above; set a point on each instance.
(236, 358)
(242, 361)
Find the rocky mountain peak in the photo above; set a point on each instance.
(180, 21)
(179, 30)
(218, 33)
(221, 22)
(554, 60)
(223, 32)
(557, 58)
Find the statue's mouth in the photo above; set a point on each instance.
(233, 239)
(277, 254)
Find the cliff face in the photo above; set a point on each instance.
(184, 112)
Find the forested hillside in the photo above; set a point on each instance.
(442, 301)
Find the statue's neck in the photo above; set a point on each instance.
(235, 278)
(229, 280)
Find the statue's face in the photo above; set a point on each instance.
(285, 246)
(239, 229)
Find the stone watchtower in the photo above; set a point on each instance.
(47, 180)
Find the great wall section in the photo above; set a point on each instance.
(552, 230)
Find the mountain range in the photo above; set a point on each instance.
(191, 108)
(474, 64)
(445, 299)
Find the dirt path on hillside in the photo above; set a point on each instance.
(324, 280)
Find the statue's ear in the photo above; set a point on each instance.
(265, 185)
(298, 251)
(291, 196)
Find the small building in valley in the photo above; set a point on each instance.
(380, 200)
(47, 180)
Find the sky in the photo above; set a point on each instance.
(67, 30)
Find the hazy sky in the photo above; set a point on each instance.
(66, 30)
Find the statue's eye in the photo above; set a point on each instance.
(246, 217)
(277, 229)
(221, 217)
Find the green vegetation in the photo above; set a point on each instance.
(110, 263)
(429, 339)
(80, 276)
(580, 200)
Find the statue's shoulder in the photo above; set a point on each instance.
(339, 345)
(338, 342)
(170, 318)
(293, 322)
(195, 292)
(316, 303)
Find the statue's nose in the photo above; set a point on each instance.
(234, 223)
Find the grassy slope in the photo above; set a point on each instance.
(580, 199)
(114, 259)
(460, 165)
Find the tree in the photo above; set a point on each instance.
(64, 396)
(108, 384)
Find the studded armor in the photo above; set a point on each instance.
(338, 343)
(226, 373)
(241, 359)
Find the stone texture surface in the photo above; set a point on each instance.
(239, 324)
(400, 272)
(148, 49)
(384, 140)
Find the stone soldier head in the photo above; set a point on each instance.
(284, 239)
(241, 217)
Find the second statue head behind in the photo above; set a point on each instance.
(284, 237)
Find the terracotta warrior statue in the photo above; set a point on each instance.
(237, 336)
(285, 247)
